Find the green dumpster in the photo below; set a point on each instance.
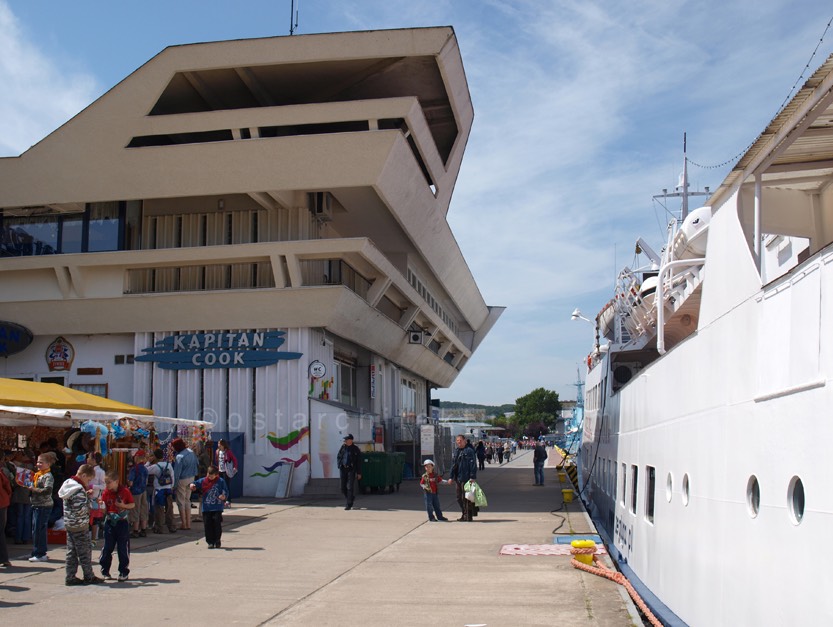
(397, 469)
(374, 472)
(381, 472)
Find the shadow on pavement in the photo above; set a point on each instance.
(143, 582)
(508, 489)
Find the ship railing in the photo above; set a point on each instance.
(661, 294)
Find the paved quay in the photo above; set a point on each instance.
(307, 561)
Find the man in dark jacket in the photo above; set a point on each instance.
(350, 466)
(463, 468)
(539, 456)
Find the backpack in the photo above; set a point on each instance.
(165, 479)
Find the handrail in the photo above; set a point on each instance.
(658, 300)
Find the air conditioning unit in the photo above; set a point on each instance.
(414, 337)
(321, 205)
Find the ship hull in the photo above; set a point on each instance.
(744, 400)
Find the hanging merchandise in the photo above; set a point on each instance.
(117, 430)
(99, 432)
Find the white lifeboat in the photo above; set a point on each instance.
(648, 291)
(605, 319)
(690, 241)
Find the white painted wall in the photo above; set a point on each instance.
(91, 351)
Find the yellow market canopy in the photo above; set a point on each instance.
(50, 404)
(54, 396)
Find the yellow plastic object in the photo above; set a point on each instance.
(567, 495)
(583, 544)
(562, 476)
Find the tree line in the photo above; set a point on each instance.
(532, 415)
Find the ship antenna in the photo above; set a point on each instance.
(293, 17)
(682, 189)
(684, 214)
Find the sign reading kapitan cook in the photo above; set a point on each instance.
(196, 351)
(14, 338)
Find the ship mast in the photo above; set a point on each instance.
(682, 188)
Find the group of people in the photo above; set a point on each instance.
(93, 501)
(465, 463)
(497, 451)
(463, 469)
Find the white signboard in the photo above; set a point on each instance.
(426, 440)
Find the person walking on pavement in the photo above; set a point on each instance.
(539, 456)
(463, 468)
(481, 455)
(349, 461)
(75, 492)
(185, 470)
(429, 482)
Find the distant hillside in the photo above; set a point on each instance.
(489, 410)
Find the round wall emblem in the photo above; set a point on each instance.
(317, 370)
(59, 355)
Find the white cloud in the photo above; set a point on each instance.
(38, 95)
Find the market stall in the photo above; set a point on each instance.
(31, 413)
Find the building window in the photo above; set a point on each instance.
(99, 389)
(104, 224)
(344, 384)
(408, 398)
(100, 227)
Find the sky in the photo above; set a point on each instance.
(580, 109)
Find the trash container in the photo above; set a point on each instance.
(397, 469)
(374, 472)
(381, 472)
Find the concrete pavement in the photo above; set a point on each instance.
(307, 561)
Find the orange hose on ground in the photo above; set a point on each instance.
(603, 571)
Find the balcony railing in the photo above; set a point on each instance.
(334, 272)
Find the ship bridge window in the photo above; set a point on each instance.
(634, 484)
(686, 489)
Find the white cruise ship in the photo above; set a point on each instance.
(705, 458)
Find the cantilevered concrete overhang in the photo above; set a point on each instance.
(377, 119)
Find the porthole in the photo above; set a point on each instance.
(669, 487)
(753, 496)
(686, 489)
(795, 500)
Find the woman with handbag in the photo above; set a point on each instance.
(227, 463)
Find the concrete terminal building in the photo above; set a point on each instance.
(254, 233)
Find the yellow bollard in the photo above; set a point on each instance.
(583, 544)
(567, 495)
(562, 476)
